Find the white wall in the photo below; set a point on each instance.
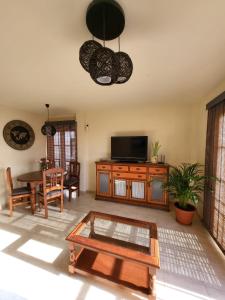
(24, 160)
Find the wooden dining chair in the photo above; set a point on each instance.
(72, 180)
(18, 196)
(52, 189)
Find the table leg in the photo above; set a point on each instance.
(73, 259)
(33, 197)
(152, 283)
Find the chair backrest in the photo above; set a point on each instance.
(9, 180)
(74, 169)
(51, 163)
(53, 180)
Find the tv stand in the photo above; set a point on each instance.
(132, 182)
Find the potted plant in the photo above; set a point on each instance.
(155, 149)
(186, 183)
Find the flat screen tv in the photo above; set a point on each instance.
(129, 148)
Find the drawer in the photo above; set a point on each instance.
(121, 175)
(104, 167)
(155, 170)
(120, 168)
(138, 176)
(129, 175)
(138, 169)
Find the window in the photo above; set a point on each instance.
(214, 201)
(62, 147)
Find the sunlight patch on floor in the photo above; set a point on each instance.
(167, 291)
(25, 280)
(40, 250)
(7, 238)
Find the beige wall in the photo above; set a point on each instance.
(172, 125)
(20, 161)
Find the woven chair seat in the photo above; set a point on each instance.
(21, 191)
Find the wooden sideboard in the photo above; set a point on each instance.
(133, 183)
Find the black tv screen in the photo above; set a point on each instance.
(129, 148)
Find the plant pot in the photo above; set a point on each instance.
(154, 159)
(184, 217)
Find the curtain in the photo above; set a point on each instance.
(62, 147)
(214, 198)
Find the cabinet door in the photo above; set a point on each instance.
(120, 188)
(103, 183)
(156, 193)
(138, 190)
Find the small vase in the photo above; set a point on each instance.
(154, 159)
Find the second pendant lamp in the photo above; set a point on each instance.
(47, 129)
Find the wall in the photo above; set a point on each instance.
(170, 124)
(20, 161)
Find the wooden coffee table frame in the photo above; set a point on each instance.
(99, 255)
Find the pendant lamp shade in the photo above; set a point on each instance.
(86, 51)
(47, 129)
(104, 66)
(125, 67)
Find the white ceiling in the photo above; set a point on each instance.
(177, 48)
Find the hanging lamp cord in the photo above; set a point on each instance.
(104, 25)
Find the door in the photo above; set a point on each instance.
(120, 188)
(103, 183)
(138, 190)
(156, 192)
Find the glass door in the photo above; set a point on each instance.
(103, 183)
(120, 188)
(138, 190)
(156, 192)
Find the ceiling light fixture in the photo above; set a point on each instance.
(105, 20)
(48, 129)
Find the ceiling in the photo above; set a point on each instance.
(177, 48)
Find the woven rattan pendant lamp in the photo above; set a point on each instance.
(105, 20)
(48, 129)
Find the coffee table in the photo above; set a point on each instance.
(119, 249)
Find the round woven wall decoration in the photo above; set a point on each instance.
(18, 134)
(86, 51)
(104, 66)
(125, 67)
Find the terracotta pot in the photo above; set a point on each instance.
(184, 217)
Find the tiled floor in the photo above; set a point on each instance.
(34, 256)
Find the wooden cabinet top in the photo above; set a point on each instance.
(132, 164)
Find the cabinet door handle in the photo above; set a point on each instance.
(137, 169)
(103, 167)
(118, 174)
(139, 176)
(119, 168)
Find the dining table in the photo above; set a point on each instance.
(34, 179)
